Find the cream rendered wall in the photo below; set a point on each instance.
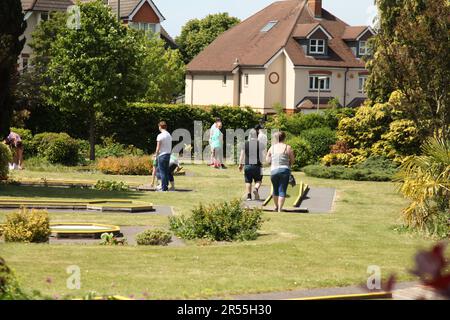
(353, 86)
(253, 94)
(290, 85)
(302, 85)
(209, 89)
(32, 22)
(188, 89)
(275, 93)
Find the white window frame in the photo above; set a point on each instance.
(363, 49)
(143, 26)
(40, 16)
(362, 83)
(318, 47)
(314, 86)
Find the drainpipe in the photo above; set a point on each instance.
(345, 87)
(192, 89)
(118, 10)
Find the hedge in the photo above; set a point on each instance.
(137, 123)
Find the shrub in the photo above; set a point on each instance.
(110, 186)
(302, 151)
(57, 148)
(320, 140)
(108, 239)
(156, 237)
(425, 180)
(227, 221)
(27, 226)
(5, 159)
(110, 148)
(404, 137)
(63, 151)
(126, 165)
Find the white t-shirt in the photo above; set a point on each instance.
(165, 140)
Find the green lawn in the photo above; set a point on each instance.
(294, 251)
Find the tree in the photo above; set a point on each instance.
(412, 56)
(95, 67)
(197, 34)
(12, 27)
(164, 69)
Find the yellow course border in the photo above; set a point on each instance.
(112, 229)
(360, 296)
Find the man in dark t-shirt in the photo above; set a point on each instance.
(251, 160)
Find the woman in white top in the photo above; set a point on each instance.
(281, 157)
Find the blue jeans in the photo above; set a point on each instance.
(280, 181)
(163, 168)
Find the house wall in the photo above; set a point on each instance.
(275, 93)
(302, 84)
(290, 85)
(209, 89)
(253, 94)
(32, 22)
(353, 85)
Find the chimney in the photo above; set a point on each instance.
(316, 7)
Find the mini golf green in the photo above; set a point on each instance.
(99, 205)
(295, 196)
(82, 230)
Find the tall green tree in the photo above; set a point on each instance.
(197, 34)
(164, 70)
(95, 67)
(12, 27)
(412, 56)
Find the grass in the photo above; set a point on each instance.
(294, 251)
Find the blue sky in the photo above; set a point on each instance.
(178, 12)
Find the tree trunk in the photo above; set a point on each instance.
(92, 136)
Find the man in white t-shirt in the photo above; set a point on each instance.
(163, 151)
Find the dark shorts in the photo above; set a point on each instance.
(252, 173)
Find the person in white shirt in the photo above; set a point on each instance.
(163, 151)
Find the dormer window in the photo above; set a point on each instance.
(317, 46)
(363, 48)
(143, 26)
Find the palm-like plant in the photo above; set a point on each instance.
(425, 179)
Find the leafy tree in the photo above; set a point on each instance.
(12, 27)
(164, 69)
(412, 55)
(95, 67)
(197, 34)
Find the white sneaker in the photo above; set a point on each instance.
(256, 194)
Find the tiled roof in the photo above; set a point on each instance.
(126, 7)
(302, 30)
(46, 5)
(352, 33)
(311, 103)
(252, 47)
(357, 102)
